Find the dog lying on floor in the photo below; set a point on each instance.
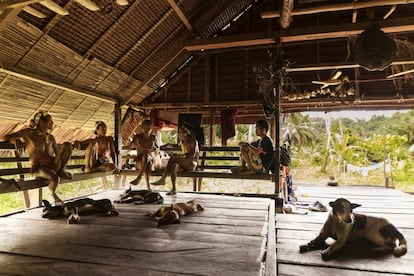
(346, 227)
(72, 209)
(140, 197)
(171, 214)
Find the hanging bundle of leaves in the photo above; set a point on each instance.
(271, 78)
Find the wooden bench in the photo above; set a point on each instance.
(214, 162)
(16, 176)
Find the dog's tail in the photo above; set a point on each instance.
(401, 248)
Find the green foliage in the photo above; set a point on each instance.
(11, 202)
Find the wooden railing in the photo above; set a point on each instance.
(214, 162)
(15, 173)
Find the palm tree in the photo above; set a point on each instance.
(299, 129)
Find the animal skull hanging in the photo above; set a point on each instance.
(373, 49)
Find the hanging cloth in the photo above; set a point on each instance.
(228, 125)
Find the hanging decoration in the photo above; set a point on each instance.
(373, 49)
(273, 80)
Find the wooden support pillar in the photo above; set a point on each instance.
(212, 129)
(207, 73)
(118, 140)
(277, 142)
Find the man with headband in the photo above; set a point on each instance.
(47, 158)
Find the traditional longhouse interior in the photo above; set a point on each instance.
(121, 60)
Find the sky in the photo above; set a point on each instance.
(353, 114)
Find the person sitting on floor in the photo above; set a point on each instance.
(145, 144)
(100, 152)
(185, 162)
(48, 159)
(256, 157)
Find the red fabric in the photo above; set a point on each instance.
(161, 119)
(228, 125)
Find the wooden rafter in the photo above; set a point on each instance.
(34, 12)
(142, 38)
(149, 57)
(181, 15)
(16, 3)
(335, 66)
(54, 7)
(113, 26)
(148, 80)
(300, 34)
(339, 7)
(230, 42)
(7, 16)
(53, 83)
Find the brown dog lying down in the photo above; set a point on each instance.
(345, 226)
(171, 214)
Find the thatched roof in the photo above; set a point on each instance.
(188, 56)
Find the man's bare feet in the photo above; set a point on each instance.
(135, 181)
(160, 182)
(57, 199)
(172, 192)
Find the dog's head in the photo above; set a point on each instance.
(153, 197)
(50, 211)
(169, 217)
(196, 206)
(125, 194)
(342, 209)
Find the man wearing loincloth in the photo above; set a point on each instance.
(100, 153)
(187, 161)
(145, 144)
(48, 159)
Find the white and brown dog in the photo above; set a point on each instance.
(72, 209)
(346, 227)
(171, 214)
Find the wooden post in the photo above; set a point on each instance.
(118, 140)
(277, 142)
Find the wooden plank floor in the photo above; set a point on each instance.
(228, 238)
(293, 230)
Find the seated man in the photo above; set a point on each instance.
(185, 162)
(100, 153)
(145, 144)
(48, 159)
(256, 157)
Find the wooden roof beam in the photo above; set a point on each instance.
(181, 15)
(149, 79)
(18, 73)
(4, 4)
(7, 16)
(398, 25)
(230, 42)
(338, 7)
(334, 66)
